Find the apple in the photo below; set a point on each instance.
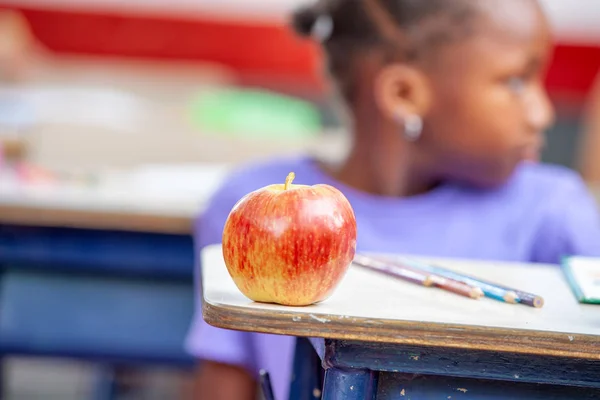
(289, 244)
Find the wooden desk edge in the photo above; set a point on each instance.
(34, 216)
(404, 332)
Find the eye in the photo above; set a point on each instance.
(516, 84)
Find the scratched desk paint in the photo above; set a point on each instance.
(379, 338)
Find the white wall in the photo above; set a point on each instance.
(575, 20)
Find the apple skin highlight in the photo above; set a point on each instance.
(290, 244)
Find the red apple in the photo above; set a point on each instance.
(289, 244)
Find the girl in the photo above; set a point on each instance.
(448, 112)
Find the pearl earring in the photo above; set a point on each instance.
(413, 127)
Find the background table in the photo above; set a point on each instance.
(394, 340)
(101, 272)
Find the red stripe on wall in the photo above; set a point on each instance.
(247, 48)
(574, 69)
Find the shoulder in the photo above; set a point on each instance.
(539, 188)
(549, 184)
(568, 220)
(549, 177)
(553, 192)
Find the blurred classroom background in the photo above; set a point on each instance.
(117, 121)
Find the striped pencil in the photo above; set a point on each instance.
(407, 274)
(528, 299)
(417, 276)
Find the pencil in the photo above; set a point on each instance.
(530, 299)
(457, 287)
(407, 274)
(490, 290)
(265, 384)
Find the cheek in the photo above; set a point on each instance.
(475, 141)
(477, 123)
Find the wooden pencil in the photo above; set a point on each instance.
(407, 274)
(454, 286)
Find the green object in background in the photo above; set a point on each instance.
(253, 113)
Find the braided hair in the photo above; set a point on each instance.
(404, 29)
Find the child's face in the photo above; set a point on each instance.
(489, 106)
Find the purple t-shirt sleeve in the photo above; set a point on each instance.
(571, 225)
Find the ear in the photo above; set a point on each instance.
(402, 90)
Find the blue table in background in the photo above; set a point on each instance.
(116, 297)
(382, 339)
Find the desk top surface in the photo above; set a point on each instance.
(371, 307)
(154, 170)
(154, 198)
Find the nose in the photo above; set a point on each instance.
(540, 111)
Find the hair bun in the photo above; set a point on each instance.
(304, 20)
(311, 22)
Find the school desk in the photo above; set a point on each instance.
(100, 272)
(379, 338)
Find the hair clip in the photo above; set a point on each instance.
(322, 28)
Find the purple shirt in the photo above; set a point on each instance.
(541, 214)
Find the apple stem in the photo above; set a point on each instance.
(288, 180)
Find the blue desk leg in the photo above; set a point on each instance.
(350, 384)
(2, 376)
(106, 387)
(307, 376)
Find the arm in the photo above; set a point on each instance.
(571, 225)
(589, 152)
